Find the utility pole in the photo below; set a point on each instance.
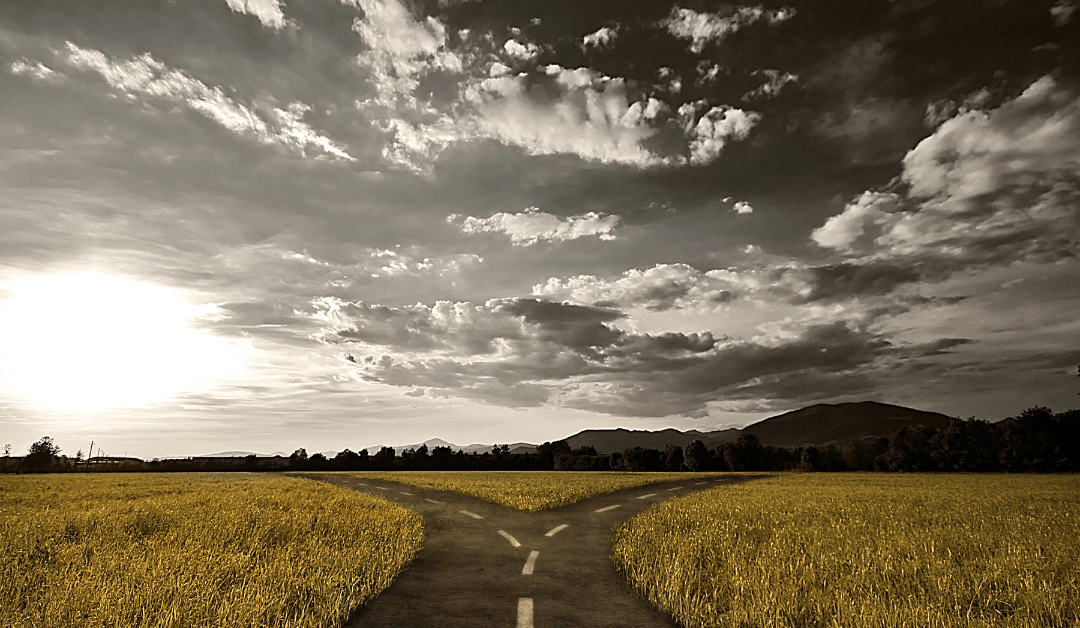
(90, 456)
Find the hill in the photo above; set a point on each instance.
(815, 425)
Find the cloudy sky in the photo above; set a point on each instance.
(267, 224)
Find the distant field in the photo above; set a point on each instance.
(173, 550)
(863, 550)
(531, 491)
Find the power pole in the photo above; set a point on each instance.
(90, 456)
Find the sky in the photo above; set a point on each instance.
(260, 225)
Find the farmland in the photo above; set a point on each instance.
(863, 550)
(531, 491)
(168, 550)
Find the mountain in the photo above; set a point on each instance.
(479, 448)
(816, 425)
(832, 423)
(608, 441)
(241, 454)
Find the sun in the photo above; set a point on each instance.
(91, 341)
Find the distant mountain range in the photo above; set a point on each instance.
(817, 425)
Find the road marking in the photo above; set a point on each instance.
(675, 489)
(525, 613)
(649, 495)
(609, 508)
(529, 564)
(700, 483)
(471, 514)
(433, 501)
(558, 529)
(512, 540)
(404, 493)
(382, 489)
(361, 484)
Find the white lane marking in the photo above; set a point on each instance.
(700, 483)
(525, 613)
(609, 508)
(432, 501)
(649, 495)
(530, 564)
(675, 489)
(360, 484)
(471, 514)
(382, 489)
(557, 529)
(404, 493)
(512, 540)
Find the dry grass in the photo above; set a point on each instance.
(863, 550)
(531, 491)
(172, 550)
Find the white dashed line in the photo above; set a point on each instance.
(525, 613)
(433, 501)
(530, 564)
(649, 495)
(382, 489)
(609, 508)
(360, 484)
(512, 540)
(557, 529)
(700, 483)
(471, 514)
(675, 489)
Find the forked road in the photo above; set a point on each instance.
(485, 565)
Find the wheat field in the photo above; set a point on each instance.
(193, 550)
(531, 491)
(863, 550)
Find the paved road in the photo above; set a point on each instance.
(485, 565)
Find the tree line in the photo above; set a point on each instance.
(1038, 440)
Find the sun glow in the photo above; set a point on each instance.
(91, 341)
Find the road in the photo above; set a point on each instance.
(484, 565)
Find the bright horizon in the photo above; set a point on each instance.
(263, 225)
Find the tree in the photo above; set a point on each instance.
(673, 457)
(7, 450)
(696, 457)
(42, 455)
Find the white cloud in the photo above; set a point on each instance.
(532, 226)
(268, 11)
(146, 76)
(742, 207)
(986, 186)
(601, 38)
(523, 52)
(35, 70)
(714, 129)
(1063, 11)
(677, 287)
(703, 28)
(769, 89)
(587, 114)
(401, 50)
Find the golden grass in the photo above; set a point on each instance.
(172, 550)
(863, 550)
(531, 491)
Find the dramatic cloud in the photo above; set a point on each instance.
(268, 11)
(987, 186)
(742, 207)
(712, 131)
(528, 352)
(522, 52)
(149, 78)
(703, 28)
(532, 226)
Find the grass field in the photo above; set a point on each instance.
(863, 550)
(531, 491)
(174, 550)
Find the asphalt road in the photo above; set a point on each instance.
(484, 565)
